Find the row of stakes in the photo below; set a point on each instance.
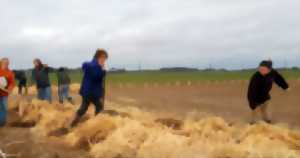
(187, 83)
(183, 83)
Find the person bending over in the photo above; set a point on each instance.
(92, 88)
(259, 89)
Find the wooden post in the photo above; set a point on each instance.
(189, 83)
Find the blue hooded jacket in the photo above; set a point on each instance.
(93, 80)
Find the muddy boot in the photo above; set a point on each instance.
(75, 121)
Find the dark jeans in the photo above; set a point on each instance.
(45, 94)
(63, 93)
(86, 101)
(3, 110)
(22, 84)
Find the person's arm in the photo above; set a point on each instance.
(49, 69)
(253, 89)
(10, 82)
(280, 81)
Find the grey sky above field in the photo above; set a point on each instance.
(153, 33)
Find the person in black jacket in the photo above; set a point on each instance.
(64, 81)
(259, 89)
(21, 77)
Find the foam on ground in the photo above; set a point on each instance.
(129, 132)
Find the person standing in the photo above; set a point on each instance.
(64, 81)
(7, 82)
(92, 88)
(40, 75)
(259, 89)
(21, 77)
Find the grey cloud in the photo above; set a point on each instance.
(155, 33)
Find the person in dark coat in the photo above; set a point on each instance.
(64, 81)
(260, 86)
(92, 88)
(20, 75)
(40, 75)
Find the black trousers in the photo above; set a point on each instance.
(22, 84)
(86, 101)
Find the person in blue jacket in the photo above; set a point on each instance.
(92, 87)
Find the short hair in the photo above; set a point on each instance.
(266, 63)
(4, 59)
(100, 53)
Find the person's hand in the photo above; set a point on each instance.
(4, 90)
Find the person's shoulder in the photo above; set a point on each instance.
(274, 72)
(10, 73)
(86, 64)
(256, 75)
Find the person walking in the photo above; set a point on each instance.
(259, 89)
(40, 75)
(64, 81)
(92, 88)
(7, 83)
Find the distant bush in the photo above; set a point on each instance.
(179, 69)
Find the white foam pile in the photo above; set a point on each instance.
(128, 132)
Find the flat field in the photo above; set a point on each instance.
(148, 114)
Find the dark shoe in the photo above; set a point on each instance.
(75, 121)
(269, 121)
(71, 101)
(2, 124)
(252, 122)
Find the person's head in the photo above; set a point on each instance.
(4, 63)
(37, 63)
(61, 69)
(265, 67)
(101, 56)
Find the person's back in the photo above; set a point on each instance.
(64, 82)
(41, 77)
(63, 77)
(20, 75)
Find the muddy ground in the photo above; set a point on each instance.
(225, 99)
(228, 100)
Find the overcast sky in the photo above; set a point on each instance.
(153, 33)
